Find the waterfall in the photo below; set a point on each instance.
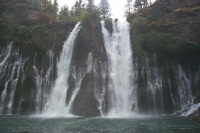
(24, 78)
(56, 105)
(10, 74)
(154, 85)
(43, 81)
(96, 75)
(121, 89)
(163, 89)
(5, 53)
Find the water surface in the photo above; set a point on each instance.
(164, 124)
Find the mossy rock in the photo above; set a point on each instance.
(197, 100)
(196, 117)
(108, 25)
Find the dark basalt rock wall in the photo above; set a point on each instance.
(21, 72)
(169, 29)
(166, 85)
(88, 41)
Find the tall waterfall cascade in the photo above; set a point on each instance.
(121, 88)
(56, 105)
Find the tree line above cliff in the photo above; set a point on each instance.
(167, 27)
(39, 23)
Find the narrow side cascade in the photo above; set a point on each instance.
(121, 92)
(26, 80)
(10, 74)
(44, 81)
(164, 87)
(56, 105)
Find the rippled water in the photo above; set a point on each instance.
(166, 124)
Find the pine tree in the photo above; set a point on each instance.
(77, 8)
(45, 5)
(55, 8)
(139, 4)
(90, 4)
(128, 7)
(104, 9)
(64, 14)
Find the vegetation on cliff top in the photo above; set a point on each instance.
(167, 27)
(31, 25)
(39, 25)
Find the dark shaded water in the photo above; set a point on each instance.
(165, 124)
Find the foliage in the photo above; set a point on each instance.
(139, 4)
(137, 41)
(196, 117)
(157, 41)
(6, 32)
(197, 100)
(104, 9)
(33, 27)
(139, 24)
(35, 23)
(36, 35)
(184, 9)
(152, 41)
(47, 6)
(128, 6)
(90, 16)
(146, 39)
(77, 8)
(108, 25)
(164, 30)
(90, 4)
(64, 14)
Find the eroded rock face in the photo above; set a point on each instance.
(88, 67)
(85, 103)
(24, 78)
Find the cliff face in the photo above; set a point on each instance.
(174, 23)
(166, 72)
(89, 60)
(166, 45)
(182, 20)
(28, 64)
(24, 78)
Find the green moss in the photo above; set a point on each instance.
(137, 45)
(90, 16)
(196, 117)
(108, 25)
(37, 35)
(184, 9)
(6, 32)
(197, 100)
(160, 29)
(157, 41)
(152, 41)
(139, 24)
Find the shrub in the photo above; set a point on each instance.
(137, 45)
(157, 41)
(90, 16)
(6, 32)
(108, 25)
(139, 24)
(197, 100)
